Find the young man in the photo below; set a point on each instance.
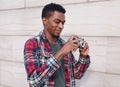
(48, 59)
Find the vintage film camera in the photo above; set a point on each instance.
(82, 42)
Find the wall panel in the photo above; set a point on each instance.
(11, 4)
(91, 19)
(12, 74)
(34, 3)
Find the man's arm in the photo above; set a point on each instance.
(83, 62)
(37, 69)
(81, 66)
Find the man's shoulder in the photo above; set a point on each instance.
(32, 41)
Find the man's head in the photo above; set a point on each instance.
(53, 19)
(50, 8)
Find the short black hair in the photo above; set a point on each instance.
(46, 12)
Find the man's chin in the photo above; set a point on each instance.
(56, 36)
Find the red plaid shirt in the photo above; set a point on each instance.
(40, 64)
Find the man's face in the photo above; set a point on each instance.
(54, 24)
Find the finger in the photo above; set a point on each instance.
(81, 50)
(76, 42)
(73, 36)
(86, 50)
(87, 47)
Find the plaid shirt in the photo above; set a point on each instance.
(40, 64)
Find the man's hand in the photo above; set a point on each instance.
(84, 52)
(71, 45)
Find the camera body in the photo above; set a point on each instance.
(82, 42)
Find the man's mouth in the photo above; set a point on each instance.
(58, 31)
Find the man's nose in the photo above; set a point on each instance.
(61, 25)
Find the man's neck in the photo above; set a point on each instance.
(50, 38)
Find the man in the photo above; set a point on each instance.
(48, 59)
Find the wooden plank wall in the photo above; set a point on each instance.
(95, 20)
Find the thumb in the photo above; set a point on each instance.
(71, 38)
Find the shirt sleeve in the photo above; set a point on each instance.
(81, 66)
(38, 70)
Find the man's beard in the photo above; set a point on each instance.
(55, 36)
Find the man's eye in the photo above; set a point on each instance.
(57, 22)
(63, 23)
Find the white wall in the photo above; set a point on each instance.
(96, 20)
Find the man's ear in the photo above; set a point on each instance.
(44, 20)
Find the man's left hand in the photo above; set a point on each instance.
(84, 52)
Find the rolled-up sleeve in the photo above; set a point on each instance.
(81, 66)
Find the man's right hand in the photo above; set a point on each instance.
(71, 45)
